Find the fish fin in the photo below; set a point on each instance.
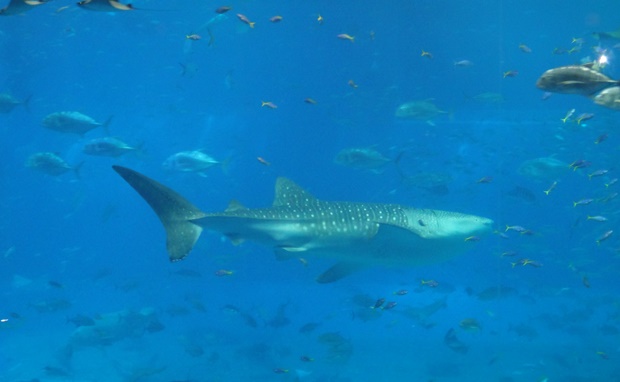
(234, 205)
(337, 272)
(288, 193)
(26, 103)
(235, 240)
(225, 164)
(76, 169)
(174, 211)
(106, 125)
(293, 249)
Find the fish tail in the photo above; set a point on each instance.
(174, 211)
(225, 164)
(26, 103)
(77, 168)
(106, 125)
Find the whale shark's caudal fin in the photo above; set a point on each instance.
(174, 211)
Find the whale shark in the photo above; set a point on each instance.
(298, 225)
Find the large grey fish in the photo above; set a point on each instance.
(423, 110)
(109, 328)
(17, 7)
(51, 164)
(574, 79)
(72, 122)
(363, 158)
(8, 103)
(356, 235)
(104, 5)
(609, 97)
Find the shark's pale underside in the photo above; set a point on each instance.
(355, 235)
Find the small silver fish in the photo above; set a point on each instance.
(597, 218)
(107, 147)
(190, 161)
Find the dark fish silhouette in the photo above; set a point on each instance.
(574, 79)
(17, 7)
(105, 5)
(454, 343)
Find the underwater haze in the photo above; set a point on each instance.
(425, 104)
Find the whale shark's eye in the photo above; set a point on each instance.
(420, 222)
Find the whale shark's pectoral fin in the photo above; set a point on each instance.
(338, 271)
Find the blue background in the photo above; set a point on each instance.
(104, 250)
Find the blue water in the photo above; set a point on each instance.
(90, 246)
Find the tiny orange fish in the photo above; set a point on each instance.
(485, 179)
(525, 49)
(194, 37)
(223, 272)
(311, 101)
(244, 19)
(344, 36)
(352, 84)
(269, 104)
(426, 54)
(276, 19)
(319, 19)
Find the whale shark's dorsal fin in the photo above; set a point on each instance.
(288, 193)
(234, 205)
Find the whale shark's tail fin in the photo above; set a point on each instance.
(174, 211)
